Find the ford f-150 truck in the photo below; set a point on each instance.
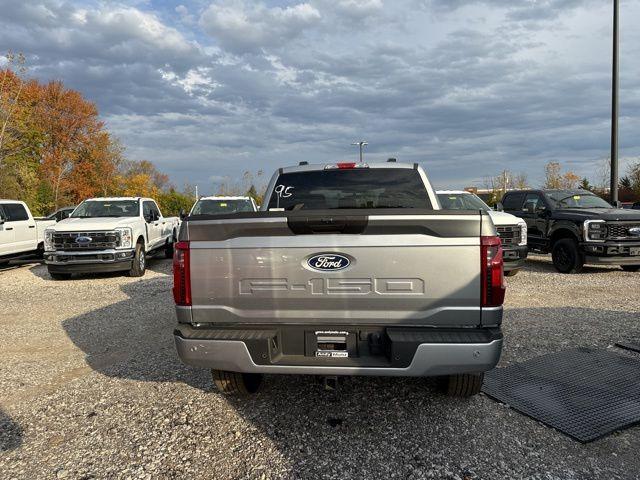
(349, 269)
(511, 229)
(20, 233)
(577, 228)
(109, 235)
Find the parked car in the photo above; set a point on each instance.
(109, 235)
(511, 230)
(577, 227)
(349, 269)
(221, 204)
(61, 214)
(20, 233)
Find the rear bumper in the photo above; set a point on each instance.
(416, 352)
(515, 257)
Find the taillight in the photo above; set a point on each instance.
(492, 272)
(181, 274)
(346, 165)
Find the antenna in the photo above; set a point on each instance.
(361, 144)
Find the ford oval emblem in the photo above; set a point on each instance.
(83, 239)
(328, 262)
(635, 231)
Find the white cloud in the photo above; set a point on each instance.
(241, 27)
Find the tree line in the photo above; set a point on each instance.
(55, 151)
(555, 178)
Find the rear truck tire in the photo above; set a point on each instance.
(235, 383)
(40, 251)
(59, 275)
(139, 264)
(566, 256)
(511, 273)
(463, 385)
(630, 268)
(168, 249)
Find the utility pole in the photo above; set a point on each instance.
(614, 109)
(361, 144)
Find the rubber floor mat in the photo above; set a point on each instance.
(585, 393)
(630, 344)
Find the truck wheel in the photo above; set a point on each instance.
(234, 383)
(566, 256)
(59, 276)
(139, 264)
(464, 384)
(511, 273)
(630, 268)
(168, 249)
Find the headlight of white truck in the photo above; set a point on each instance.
(523, 232)
(48, 240)
(126, 237)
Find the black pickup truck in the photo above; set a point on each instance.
(577, 227)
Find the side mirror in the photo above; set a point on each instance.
(531, 208)
(148, 217)
(500, 207)
(183, 214)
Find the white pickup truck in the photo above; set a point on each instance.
(109, 235)
(20, 233)
(511, 229)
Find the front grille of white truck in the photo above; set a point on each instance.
(68, 241)
(509, 234)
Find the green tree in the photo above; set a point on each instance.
(584, 184)
(625, 183)
(172, 202)
(253, 193)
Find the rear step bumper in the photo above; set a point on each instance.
(409, 352)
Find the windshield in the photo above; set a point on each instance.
(213, 207)
(462, 201)
(107, 208)
(350, 188)
(577, 200)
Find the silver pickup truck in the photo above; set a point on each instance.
(349, 269)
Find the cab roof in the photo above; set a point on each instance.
(225, 197)
(453, 192)
(354, 165)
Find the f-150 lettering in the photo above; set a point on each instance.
(335, 286)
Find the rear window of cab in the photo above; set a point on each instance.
(355, 188)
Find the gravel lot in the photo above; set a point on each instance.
(90, 387)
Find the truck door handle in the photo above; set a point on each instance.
(32, 226)
(9, 228)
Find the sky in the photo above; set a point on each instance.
(208, 89)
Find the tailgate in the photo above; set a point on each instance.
(337, 268)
